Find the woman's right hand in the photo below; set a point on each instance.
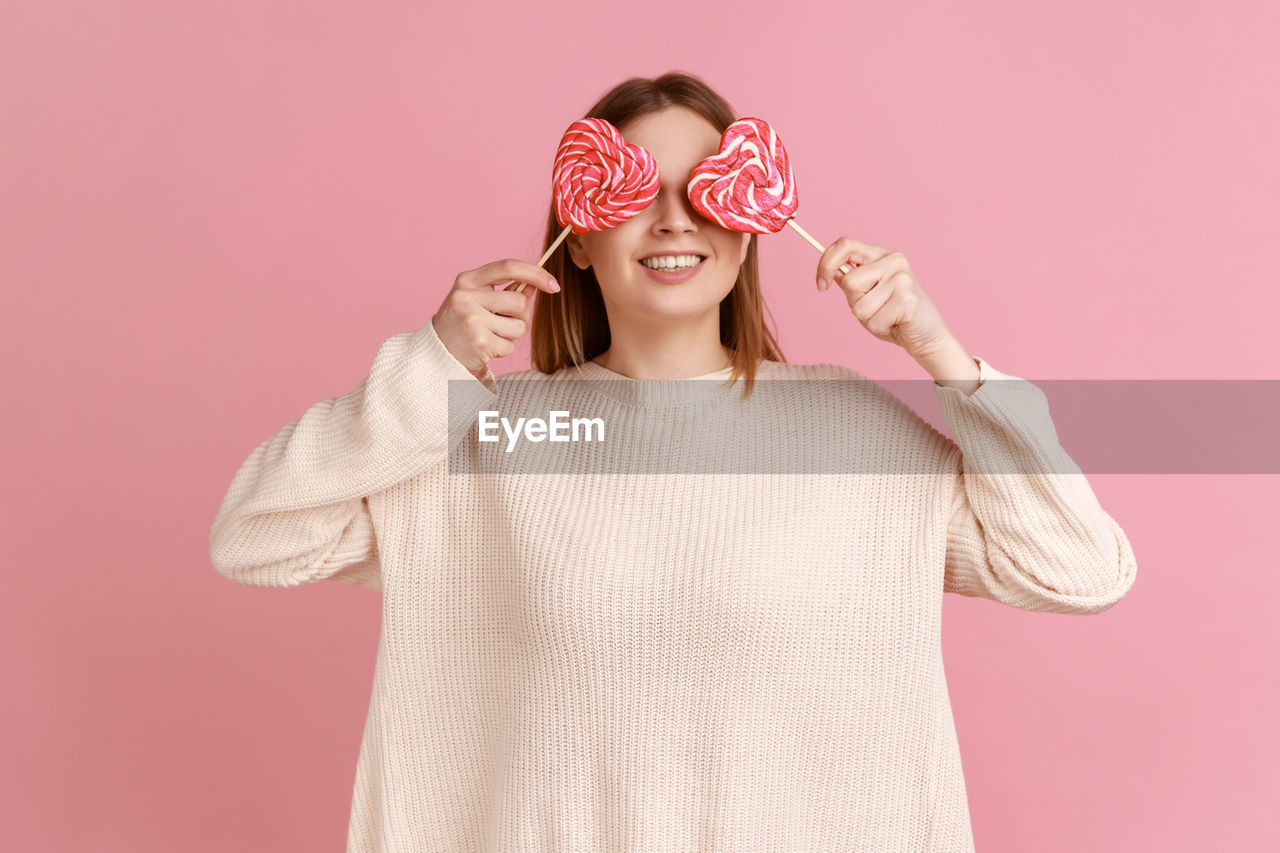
(476, 322)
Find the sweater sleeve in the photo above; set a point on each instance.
(1026, 529)
(297, 510)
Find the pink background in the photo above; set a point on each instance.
(211, 215)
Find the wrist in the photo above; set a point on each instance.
(951, 365)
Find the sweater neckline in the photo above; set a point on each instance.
(708, 386)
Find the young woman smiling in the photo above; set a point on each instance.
(727, 636)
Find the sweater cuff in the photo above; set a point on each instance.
(443, 362)
(1004, 426)
(439, 379)
(985, 371)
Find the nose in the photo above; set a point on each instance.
(674, 213)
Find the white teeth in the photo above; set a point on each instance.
(672, 262)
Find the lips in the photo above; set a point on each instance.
(673, 253)
(673, 276)
(700, 262)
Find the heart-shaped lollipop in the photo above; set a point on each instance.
(599, 180)
(748, 185)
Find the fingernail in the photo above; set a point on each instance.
(555, 285)
(822, 284)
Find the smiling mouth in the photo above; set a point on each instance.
(700, 262)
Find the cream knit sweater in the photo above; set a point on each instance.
(641, 659)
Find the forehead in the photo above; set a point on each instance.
(677, 137)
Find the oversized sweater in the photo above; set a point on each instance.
(655, 655)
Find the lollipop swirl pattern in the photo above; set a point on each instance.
(748, 185)
(599, 179)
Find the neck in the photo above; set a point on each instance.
(667, 364)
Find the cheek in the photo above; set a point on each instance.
(733, 250)
(614, 249)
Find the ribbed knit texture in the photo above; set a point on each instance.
(672, 662)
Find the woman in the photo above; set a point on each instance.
(627, 649)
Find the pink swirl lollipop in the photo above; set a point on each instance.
(748, 186)
(599, 180)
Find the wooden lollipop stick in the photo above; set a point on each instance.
(565, 233)
(821, 248)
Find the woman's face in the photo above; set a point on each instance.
(678, 139)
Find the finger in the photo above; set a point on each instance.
(506, 302)
(893, 312)
(525, 311)
(524, 273)
(865, 305)
(862, 279)
(524, 292)
(508, 269)
(509, 328)
(871, 250)
(846, 250)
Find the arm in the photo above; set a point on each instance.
(1025, 529)
(297, 511)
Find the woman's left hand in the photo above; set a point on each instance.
(885, 297)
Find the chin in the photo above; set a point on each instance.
(674, 302)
